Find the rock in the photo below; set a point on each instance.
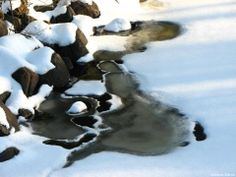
(15, 21)
(43, 8)
(1, 15)
(142, 0)
(27, 79)
(3, 28)
(76, 50)
(8, 154)
(27, 114)
(11, 118)
(4, 96)
(63, 18)
(85, 9)
(59, 76)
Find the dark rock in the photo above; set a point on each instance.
(4, 96)
(87, 121)
(199, 132)
(27, 114)
(85, 9)
(43, 8)
(63, 18)
(3, 28)
(59, 76)
(27, 79)
(8, 154)
(17, 23)
(76, 50)
(11, 118)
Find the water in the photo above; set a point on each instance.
(142, 126)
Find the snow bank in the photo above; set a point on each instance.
(87, 88)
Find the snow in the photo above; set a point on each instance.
(52, 34)
(3, 118)
(117, 25)
(87, 88)
(41, 58)
(194, 72)
(77, 107)
(89, 2)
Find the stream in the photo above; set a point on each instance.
(142, 125)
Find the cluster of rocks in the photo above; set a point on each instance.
(64, 59)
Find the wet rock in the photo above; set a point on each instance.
(63, 18)
(27, 79)
(8, 154)
(76, 50)
(59, 76)
(4, 96)
(85, 9)
(3, 28)
(199, 132)
(11, 118)
(27, 114)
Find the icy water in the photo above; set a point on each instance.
(141, 126)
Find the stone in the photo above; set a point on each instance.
(8, 154)
(63, 18)
(85, 9)
(3, 28)
(11, 118)
(27, 79)
(4, 96)
(75, 50)
(27, 114)
(59, 76)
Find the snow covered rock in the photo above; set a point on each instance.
(75, 50)
(88, 8)
(7, 120)
(77, 107)
(65, 17)
(117, 25)
(59, 76)
(27, 79)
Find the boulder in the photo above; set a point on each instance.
(8, 154)
(59, 76)
(3, 28)
(76, 50)
(63, 18)
(27, 79)
(11, 118)
(85, 9)
(4, 96)
(27, 114)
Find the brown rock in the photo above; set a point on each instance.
(59, 76)
(27, 79)
(11, 118)
(27, 114)
(8, 154)
(85, 9)
(3, 28)
(4, 96)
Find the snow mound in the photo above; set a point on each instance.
(62, 34)
(87, 88)
(77, 107)
(117, 25)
